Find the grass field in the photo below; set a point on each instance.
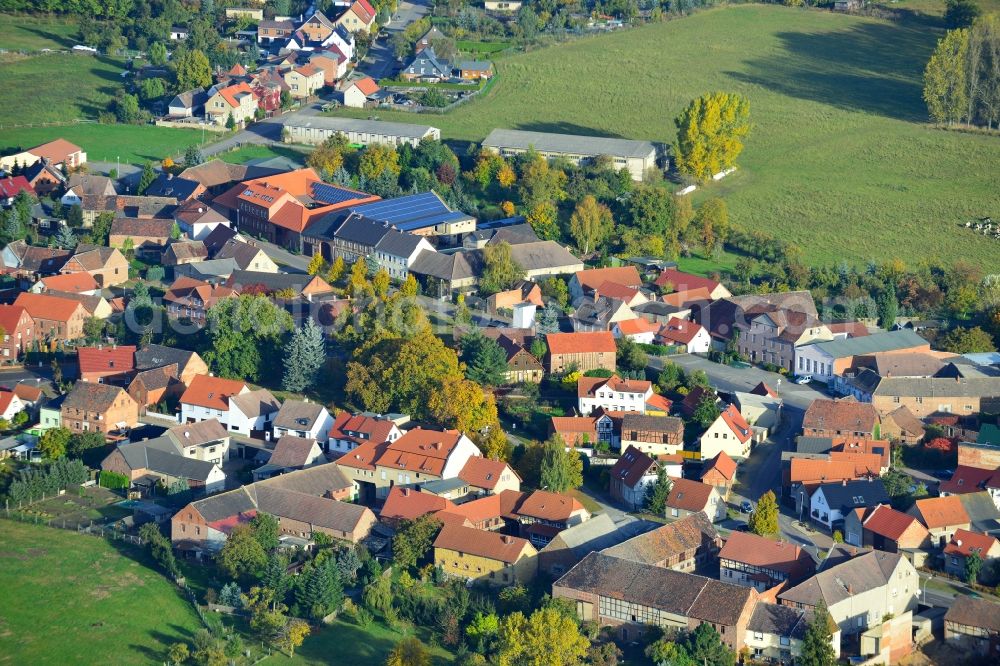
(132, 143)
(254, 152)
(346, 643)
(58, 87)
(74, 599)
(31, 33)
(840, 162)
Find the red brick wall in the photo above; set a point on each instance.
(983, 457)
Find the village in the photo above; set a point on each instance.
(736, 462)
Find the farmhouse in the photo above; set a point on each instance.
(317, 129)
(584, 351)
(758, 562)
(825, 360)
(636, 156)
(99, 408)
(497, 559)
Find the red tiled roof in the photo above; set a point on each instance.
(615, 290)
(28, 393)
(420, 450)
(229, 93)
(684, 281)
(680, 299)
(544, 505)
(74, 283)
(581, 343)
(865, 464)
(810, 471)
(10, 186)
(965, 542)
(843, 415)
(967, 479)
(595, 277)
(55, 151)
(490, 545)
(410, 504)
(366, 85)
(308, 70)
(479, 510)
(364, 10)
(482, 472)
(212, 392)
(587, 387)
(659, 402)
(573, 428)
(5, 399)
(722, 464)
(10, 317)
(377, 430)
(364, 456)
(732, 418)
(689, 495)
(632, 466)
(43, 306)
(680, 331)
(105, 359)
(637, 326)
(889, 523)
(942, 511)
(765, 390)
(878, 447)
(763, 552)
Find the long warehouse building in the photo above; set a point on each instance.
(636, 156)
(317, 129)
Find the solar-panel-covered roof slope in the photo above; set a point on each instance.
(414, 211)
(334, 194)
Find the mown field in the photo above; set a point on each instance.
(57, 87)
(841, 160)
(134, 144)
(34, 33)
(74, 599)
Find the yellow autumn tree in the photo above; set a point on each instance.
(710, 134)
(377, 158)
(315, 265)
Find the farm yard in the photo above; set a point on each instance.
(64, 590)
(841, 160)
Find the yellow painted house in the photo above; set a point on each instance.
(497, 559)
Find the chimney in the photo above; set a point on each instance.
(507, 539)
(844, 482)
(958, 542)
(406, 492)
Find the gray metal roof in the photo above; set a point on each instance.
(571, 144)
(407, 130)
(944, 387)
(870, 344)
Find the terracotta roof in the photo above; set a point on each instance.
(722, 464)
(71, 282)
(889, 523)
(43, 306)
(27, 392)
(5, 399)
(593, 278)
(965, 542)
(202, 432)
(360, 428)
(853, 329)
(212, 392)
(878, 447)
(364, 10)
(105, 359)
(366, 85)
(56, 151)
(615, 290)
(810, 471)
(484, 473)
(410, 504)
(680, 299)
(420, 450)
(967, 479)
(972, 612)
(637, 326)
(736, 423)
(843, 415)
(632, 466)
(546, 505)
(684, 281)
(659, 402)
(491, 545)
(308, 70)
(10, 317)
(364, 456)
(573, 428)
(763, 552)
(10, 186)
(140, 227)
(679, 331)
(865, 464)
(587, 387)
(91, 397)
(482, 509)
(230, 93)
(941, 511)
(581, 343)
(689, 495)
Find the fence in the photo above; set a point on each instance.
(54, 123)
(106, 529)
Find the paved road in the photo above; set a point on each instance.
(381, 60)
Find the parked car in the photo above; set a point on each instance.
(803, 379)
(746, 506)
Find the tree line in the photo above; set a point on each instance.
(962, 77)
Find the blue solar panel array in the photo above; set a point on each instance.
(413, 211)
(331, 194)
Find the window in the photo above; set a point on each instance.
(785, 640)
(673, 513)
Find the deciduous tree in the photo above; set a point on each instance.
(764, 519)
(944, 78)
(546, 637)
(710, 135)
(413, 540)
(590, 224)
(193, 70)
(242, 554)
(409, 652)
(500, 271)
(560, 470)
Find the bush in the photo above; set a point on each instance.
(31, 484)
(113, 480)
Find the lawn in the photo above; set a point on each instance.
(75, 599)
(33, 33)
(346, 643)
(94, 504)
(252, 153)
(58, 87)
(840, 161)
(132, 143)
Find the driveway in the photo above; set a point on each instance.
(381, 60)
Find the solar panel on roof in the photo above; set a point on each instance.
(331, 194)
